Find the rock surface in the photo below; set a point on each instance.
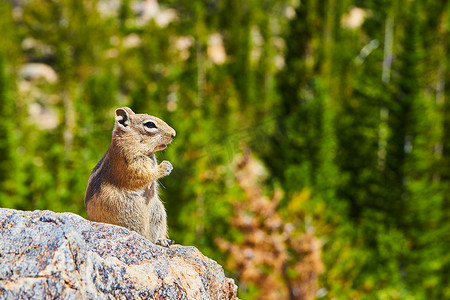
(47, 255)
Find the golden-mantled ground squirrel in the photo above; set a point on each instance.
(122, 188)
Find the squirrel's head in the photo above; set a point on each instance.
(146, 134)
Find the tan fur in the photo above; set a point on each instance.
(123, 188)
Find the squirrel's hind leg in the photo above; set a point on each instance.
(165, 242)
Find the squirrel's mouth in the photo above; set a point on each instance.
(161, 147)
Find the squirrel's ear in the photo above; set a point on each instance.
(123, 117)
(130, 112)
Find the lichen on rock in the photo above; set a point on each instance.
(61, 255)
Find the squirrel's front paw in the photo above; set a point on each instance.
(165, 168)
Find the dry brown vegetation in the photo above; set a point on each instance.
(275, 254)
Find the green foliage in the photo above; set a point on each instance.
(347, 100)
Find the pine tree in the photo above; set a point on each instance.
(9, 157)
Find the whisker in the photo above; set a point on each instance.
(161, 184)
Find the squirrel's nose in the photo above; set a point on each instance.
(174, 133)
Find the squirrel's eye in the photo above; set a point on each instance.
(150, 125)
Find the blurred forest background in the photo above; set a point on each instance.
(312, 156)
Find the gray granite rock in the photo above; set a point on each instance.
(47, 255)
